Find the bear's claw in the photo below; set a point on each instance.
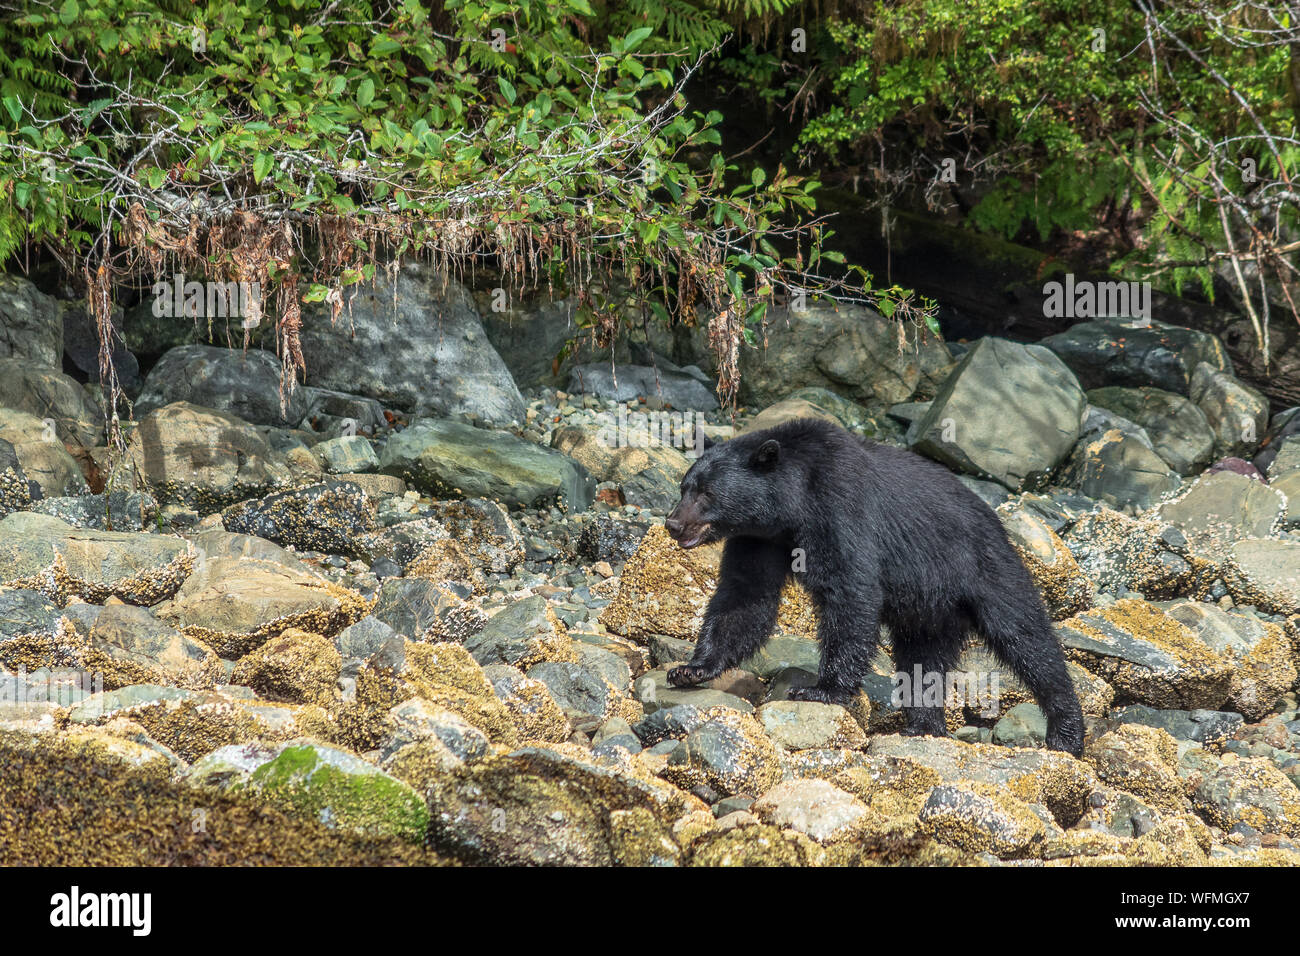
(689, 675)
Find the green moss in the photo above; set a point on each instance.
(341, 791)
(66, 806)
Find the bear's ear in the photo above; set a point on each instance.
(767, 454)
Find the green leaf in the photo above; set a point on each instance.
(366, 92)
(262, 165)
(633, 39)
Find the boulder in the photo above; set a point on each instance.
(1009, 413)
(1113, 352)
(668, 386)
(41, 456)
(1237, 413)
(448, 459)
(1223, 508)
(326, 517)
(1147, 656)
(235, 605)
(848, 349)
(412, 340)
(245, 383)
(204, 458)
(53, 397)
(31, 328)
(1179, 431)
(45, 554)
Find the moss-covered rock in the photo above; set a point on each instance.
(549, 806)
(664, 589)
(338, 790)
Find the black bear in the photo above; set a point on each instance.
(877, 535)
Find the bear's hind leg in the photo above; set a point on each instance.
(935, 649)
(1021, 635)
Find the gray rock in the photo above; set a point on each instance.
(729, 753)
(510, 636)
(422, 610)
(813, 807)
(1250, 791)
(16, 491)
(975, 821)
(81, 347)
(607, 538)
(42, 457)
(655, 693)
(451, 460)
(1113, 462)
(1147, 656)
(417, 719)
(118, 511)
(1265, 573)
(1022, 726)
(1237, 413)
(52, 397)
(626, 383)
(204, 458)
(31, 327)
(1178, 429)
(1113, 352)
(325, 517)
(336, 413)
(782, 651)
(850, 350)
(539, 807)
(577, 688)
(364, 639)
(1202, 726)
(418, 345)
(666, 650)
(42, 552)
(1122, 554)
(245, 383)
(806, 725)
(1009, 413)
(346, 454)
(1222, 508)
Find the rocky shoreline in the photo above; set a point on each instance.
(423, 611)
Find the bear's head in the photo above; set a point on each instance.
(734, 488)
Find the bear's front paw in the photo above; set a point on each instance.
(821, 695)
(689, 675)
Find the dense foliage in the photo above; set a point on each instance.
(1169, 126)
(302, 144)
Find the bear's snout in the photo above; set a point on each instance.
(685, 526)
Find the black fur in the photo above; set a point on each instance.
(886, 537)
